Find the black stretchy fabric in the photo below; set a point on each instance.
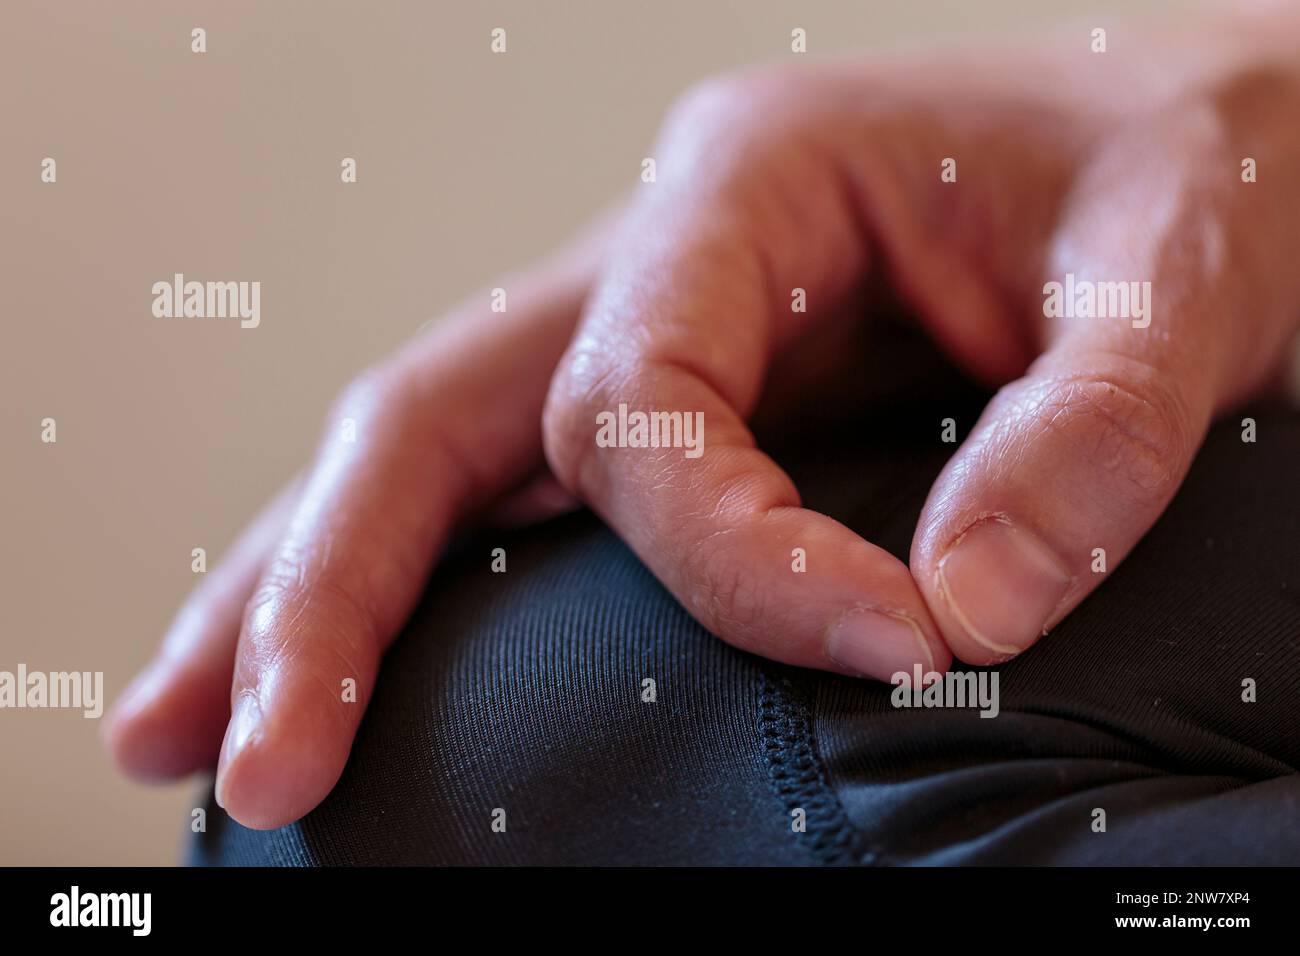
(522, 691)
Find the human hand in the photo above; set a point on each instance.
(825, 180)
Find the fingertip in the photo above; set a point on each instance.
(865, 642)
(166, 725)
(273, 771)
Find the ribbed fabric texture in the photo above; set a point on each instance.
(523, 691)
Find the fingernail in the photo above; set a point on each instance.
(244, 721)
(1002, 584)
(876, 644)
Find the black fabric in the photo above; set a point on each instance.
(523, 691)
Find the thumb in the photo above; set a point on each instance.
(1063, 474)
(1070, 465)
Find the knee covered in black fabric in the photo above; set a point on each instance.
(569, 711)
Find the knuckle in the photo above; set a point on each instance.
(715, 99)
(724, 128)
(298, 606)
(1139, 433)
(366, 395)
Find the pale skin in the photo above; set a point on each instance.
(1118, 166)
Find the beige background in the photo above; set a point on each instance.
(226, 166)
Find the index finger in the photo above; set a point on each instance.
(413, 445)
(645, 422)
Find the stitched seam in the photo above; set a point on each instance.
(798, 779)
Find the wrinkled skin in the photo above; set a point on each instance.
(1124, 166)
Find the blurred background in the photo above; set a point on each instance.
(225, 166)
